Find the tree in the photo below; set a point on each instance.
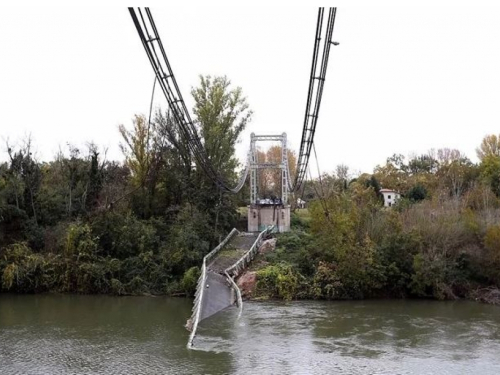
(95, 179)
(445, 156)
(222, 113)
(144, 151)
(422, 164)
(342, 174)
(489, 154)
(490, 146)
(417, 193)
(490, 172)
(27, 177)
(137, 148)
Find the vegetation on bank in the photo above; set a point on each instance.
(83, 224)
(441, 241)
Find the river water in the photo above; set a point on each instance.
(66, 334)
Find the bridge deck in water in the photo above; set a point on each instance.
(218, 291)
(216, 288)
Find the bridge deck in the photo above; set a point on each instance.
(232, 252)
(216, 289)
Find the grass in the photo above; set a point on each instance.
(303, 213)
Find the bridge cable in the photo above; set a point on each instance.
(149, 36)
(322, 201)
(319, 172)
(143, 180)
(316, 84)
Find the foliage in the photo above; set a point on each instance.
(490, 172)
(83, 224)
(190, 280)
(417, 193)
(24, 271)
(443, 245)
(278, 281)
(490, 147)
(492, 245)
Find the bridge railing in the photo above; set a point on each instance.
(195, 317)
(233, 271)
(245, 260)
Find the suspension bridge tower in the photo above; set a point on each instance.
(264, 211)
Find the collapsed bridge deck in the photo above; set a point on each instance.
(216, 288)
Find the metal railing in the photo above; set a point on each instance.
(231, 273)
(243, 262)
(239, 299)
(195, 317)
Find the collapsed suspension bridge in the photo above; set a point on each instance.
(216, 287)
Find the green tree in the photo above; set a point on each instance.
(222, 113)
(489, 154)
(490, 146)
(490, 172)
(417, 193)
(137, 148)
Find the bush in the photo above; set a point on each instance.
(22, 270)
(326, 282)
(396, 255)
(278, 281)
(296, 248)
(430, 277)
(492, 245)
(190, 280)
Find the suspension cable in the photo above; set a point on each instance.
(149, 36)
(316, 83)
(319, 172)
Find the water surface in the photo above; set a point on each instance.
(66, 334)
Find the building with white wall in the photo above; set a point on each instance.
(390, 197)
(301, 203)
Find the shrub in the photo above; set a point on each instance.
(190, 280)
(278, 281)
(22, 270)
(117, 287)
(492, 245)
(326, 282)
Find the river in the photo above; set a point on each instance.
(70, 334)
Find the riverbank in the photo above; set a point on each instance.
(248, 282)
(399, 254)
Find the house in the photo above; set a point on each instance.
(390, 197)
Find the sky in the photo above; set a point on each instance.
(402, 80)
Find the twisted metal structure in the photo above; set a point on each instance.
(209, 298)
(200, 288)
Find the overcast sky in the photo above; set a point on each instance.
(402, 80)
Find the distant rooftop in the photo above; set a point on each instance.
(388, 191)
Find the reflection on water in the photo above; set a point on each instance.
(53, 334)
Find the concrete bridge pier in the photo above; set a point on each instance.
(262, 216)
